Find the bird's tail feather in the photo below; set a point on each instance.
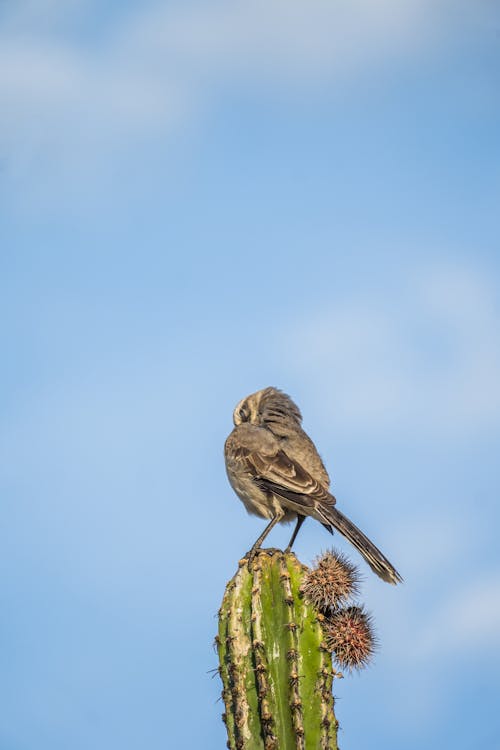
(373, 556)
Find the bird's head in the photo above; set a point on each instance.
(269, 408)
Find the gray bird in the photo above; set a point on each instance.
(275, 469)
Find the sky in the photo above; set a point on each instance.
(198, 200)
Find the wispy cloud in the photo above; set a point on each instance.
(151, 69)
(468, 620)
(428, 361)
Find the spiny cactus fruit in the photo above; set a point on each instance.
(332, 582)
(348, 630)
(349, 634)
(275, 666)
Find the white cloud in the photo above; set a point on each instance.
(151, 69)
(279, 39)
(428, 362)
(56, 98)
(468, 620)
(445, 540)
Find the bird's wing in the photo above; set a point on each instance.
(285, 477)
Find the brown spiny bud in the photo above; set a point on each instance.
(331, 582)
(349, 635)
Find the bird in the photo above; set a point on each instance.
(278, 474)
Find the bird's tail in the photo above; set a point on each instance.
(373, 556)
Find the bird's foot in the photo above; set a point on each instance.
(250, 557)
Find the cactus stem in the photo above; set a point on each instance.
(261, 665)
(295, 701)
(274, 668)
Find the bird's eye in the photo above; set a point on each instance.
(243, 415)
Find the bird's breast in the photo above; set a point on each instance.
(255, 500)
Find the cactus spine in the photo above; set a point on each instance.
(276, 670)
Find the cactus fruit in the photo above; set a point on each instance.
(275, 666)
(332, 582)
(349, 634)
(348, 630)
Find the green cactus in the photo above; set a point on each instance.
(276, 669)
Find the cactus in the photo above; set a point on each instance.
(275, 666)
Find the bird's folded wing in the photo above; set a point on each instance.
(285, 477)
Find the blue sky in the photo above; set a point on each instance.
(196, 201)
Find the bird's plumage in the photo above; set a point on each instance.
(275, 469)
